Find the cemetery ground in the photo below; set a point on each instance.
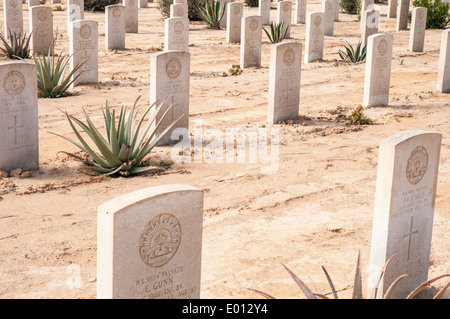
(315, 210)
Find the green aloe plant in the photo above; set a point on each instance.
(277, 32)
(16, 46)
(353, 55)
(212, 13)
(125, 145)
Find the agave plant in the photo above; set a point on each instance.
(125, 145)
(277, 32)
(212, 13)
(18, 45)
(353, 55)
(357, 285)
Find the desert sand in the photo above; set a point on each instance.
(315, 210)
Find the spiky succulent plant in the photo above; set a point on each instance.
(212, 13)
(277, 32)
(16, 45)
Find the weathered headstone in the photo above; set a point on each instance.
(75, 10)
(223, 22)
(314, 36)
(284, 9)
(169, 80)
(370, 22)
(284, 81)
(235, 11)
(392, 9)
(176, 35)
(32, 3)
(19, 142)
(402, 15)
(378, 70)
(150, 244)
(179, 10)
(83, 35)
(264, 11)
(41, 28)
(443, 82)
(328, 9)
(131, 16)
(366, 5)
(418, 26)
(404, 208)
(12, 16)
(251, 37)
(115, 27)
(337, 5)
(300, 11)
(143, 3)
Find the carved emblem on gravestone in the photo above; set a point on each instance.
(14, 3)
(420, 15)
(417, 164)
(289, 57)
(382, 47)
(116, 13)
(160, 240)
(236, 10)
(317, 21)
(286, 7)
(14, 82)
(178, 28)
(180, 12)
(131, 3)
(253, 25)
(85, 31)
(173, 68)
(42, 16)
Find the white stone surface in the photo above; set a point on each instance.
(314, 36)
(251, 37)
(176, 35)
(235, 11)
(115, 27)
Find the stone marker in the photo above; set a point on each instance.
(264, 11)
(418, 26)
(178, 1)
(83, 35)
(392, 9)
(143, 3)
(179, 10)
(370, 22)
(300, 11)
(169, 80)
(443, 82)
(402, 15)
(131, 16)
(75, 10)
(367, 5)
(223, 22)
(176, 35)
(12, 16)
(41, 27)
(314, 36)
(32, 3)
(235, 11)
(115, 27)
(284, 9)
(404, 207)
(19, 142)
(284, 81)
(251, 37)
(378, 70)
(328, 16)
(149, 244)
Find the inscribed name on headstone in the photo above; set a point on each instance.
(150, 244)
(328, 9)
(12, 16)
(131, 16)
(223, 22)
(179, 10)
(378, 70)
(314, 36)
(235, 11)
(41, 28)
(370, 21)
(143, 3)
(251, 37)
(284, 81)
(19, 142)
(417, 32)
(169, 80)
(392, 9)
(300, 11)
(284, 9)
(75, 10)
(83, 38)
(115, 27)
(443, 82)
(176, 35)
(404, 210)
(264, 11)
(402, 15)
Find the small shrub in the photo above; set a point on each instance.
(358, 117)
(351, 55)
(277, 32)
(438, 16)
(212, 13)
(98, 5)
(252, 3)
(349, 6)
(16, 46)
(235, 70)
(193, 8)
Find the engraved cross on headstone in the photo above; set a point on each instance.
(409, 234)
(288, 92)
(15, 127)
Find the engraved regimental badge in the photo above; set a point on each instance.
(160, 240)
(417, 164)
(173, 68)
(289, 57)
(14, 82)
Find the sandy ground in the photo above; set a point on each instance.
(316, 210)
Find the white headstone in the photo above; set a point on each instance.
(150, 244)
(370, 22)
(300, 11)
(443, 82)
(131, 16)
(13, 16)
(115, 27)
(176, 35)
(235, 11)
(19, 142)
(75, 10)
(223, 22)
(169, 80)
(402, 15)
(392, 9)
(337, 5)
(143, 3)
(404, 209)
(83, 35)
(284, 9)
(314, 36)
(328, 9)
(418, 26)
(32, 3)
(251, 37)
(179, 10)
(41, 28)
(264, 11)
(366, 5)
(378, 70)
(284, 81)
